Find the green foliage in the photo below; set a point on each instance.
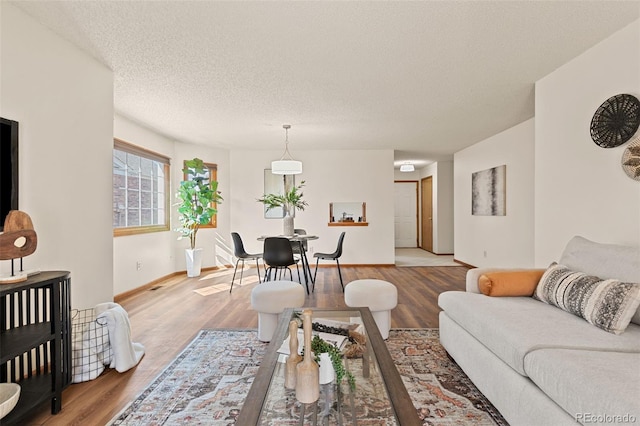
(197, 195)
(290, 200)
(318, 346)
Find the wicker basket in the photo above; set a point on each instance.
(615, 121)
(90, 347)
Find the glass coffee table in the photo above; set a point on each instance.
(379, 398)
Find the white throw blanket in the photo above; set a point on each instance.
(126, 354)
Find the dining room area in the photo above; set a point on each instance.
(337, 196)
(361, 180)
(300, 221)
(288, 250)
(281, 255)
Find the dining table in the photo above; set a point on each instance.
(300, 239)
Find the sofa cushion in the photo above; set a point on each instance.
(604, 261)
(608, 304)
(510, 283)
(582, 382)
(511, 327)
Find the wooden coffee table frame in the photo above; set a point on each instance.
(401, 404)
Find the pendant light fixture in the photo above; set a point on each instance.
(286, 165)
(407, 167)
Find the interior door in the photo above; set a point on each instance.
(406, 213)
(427, 214)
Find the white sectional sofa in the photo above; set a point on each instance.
(540, 365)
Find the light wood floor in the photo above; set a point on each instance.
(166, 318)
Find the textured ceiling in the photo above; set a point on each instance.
(423, 78)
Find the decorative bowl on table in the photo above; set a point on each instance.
(9, 395)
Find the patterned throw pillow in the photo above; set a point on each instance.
(608, 304)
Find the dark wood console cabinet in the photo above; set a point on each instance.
(35, 341)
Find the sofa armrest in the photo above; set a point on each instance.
(474, 274)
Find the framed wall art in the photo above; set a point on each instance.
(488, 192)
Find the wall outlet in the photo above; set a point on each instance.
(138, 265)
(485, 253)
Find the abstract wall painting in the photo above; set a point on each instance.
(489, 192)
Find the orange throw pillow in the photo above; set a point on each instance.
(510, 283)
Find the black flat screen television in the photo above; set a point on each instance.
(8, 168)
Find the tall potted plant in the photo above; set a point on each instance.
(290, 201)
(197, 195)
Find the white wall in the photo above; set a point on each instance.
(443, 191)
(63, 100)
(331, 176)
(442, 219)
(580, 188)
(153, 250)
(507, 240)
(400, 176)
(425, 172)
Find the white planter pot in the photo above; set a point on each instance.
(327, 373)
(194, 261)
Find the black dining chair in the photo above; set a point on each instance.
(330, 256)
(278, 256)
(295, 245)
(242, 255)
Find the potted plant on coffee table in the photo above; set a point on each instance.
(328, 353)
(197, 195)
(290, 201)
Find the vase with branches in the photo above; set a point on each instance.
(290, 201)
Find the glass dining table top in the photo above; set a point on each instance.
(379, 396)
(294, 237)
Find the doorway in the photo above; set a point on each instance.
(427, 213)
(406, 213)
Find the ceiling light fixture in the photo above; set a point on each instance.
(286, 165)
(407, 167)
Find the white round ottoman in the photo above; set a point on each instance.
(377, 295)
(270, 299)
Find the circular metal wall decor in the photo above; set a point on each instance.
(631, 160)
(615, 121)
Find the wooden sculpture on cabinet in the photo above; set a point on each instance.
(18, 240)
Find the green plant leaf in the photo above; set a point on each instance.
(290, 200)
(318, 346)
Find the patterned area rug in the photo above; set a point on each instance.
(207, 383)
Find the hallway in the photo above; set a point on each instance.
(419, 257)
